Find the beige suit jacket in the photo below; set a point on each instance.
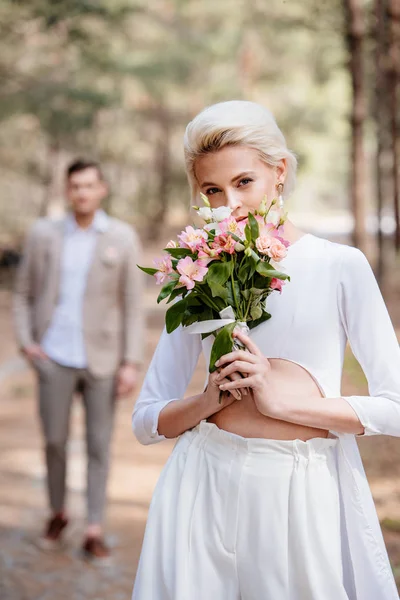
(112, 314)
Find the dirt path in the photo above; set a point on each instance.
(29, 574)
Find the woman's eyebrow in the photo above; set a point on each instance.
(245, 173)
(207, 183)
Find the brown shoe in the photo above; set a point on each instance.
(95, 551)
(51, 539)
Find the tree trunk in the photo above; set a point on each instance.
(394, 81)
(163, 173)
(355, 31)
(380, 122)
(53, 157)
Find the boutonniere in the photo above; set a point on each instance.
(110, 256)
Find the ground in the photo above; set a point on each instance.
(27, 573)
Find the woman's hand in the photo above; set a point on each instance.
(214, 398)
(255, 368)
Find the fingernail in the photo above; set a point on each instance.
(222, 387)
(217, 363)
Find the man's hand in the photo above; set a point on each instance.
(127, 376)
(34, 352)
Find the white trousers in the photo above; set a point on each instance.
(244, 519)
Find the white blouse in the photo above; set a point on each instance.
(332, 297)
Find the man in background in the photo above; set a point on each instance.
(79, 323)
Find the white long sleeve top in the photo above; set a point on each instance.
(332, 298)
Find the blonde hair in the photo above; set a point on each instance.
(235, 123)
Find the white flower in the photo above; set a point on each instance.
(212, 227)
(205, 213)
(221, 213)
(274, 217)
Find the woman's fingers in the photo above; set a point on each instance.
(247, 341)
(235, 385)
(237, 355)
(238, 366)
(235, 375)
(217, 382)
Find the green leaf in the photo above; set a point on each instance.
(179, 252)
(267, 270)
(148, 270)
(223, 344)
(193, 299)
(219, 272)
(246, 270)
(236, 237)
(216, 303)
(218, 290)
(196, 315)
(255, 291)
(174, 315)
(264, 317)
(230, 296)
(256, 311)
(255, 230)
(179, 291)
(166, 290)
(247, 233)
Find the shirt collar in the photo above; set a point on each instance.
(100, 224)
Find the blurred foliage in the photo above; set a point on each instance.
(119, 80)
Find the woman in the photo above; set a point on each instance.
(265, 498)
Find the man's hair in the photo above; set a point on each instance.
(81, 164)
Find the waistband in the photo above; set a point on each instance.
(210, 436)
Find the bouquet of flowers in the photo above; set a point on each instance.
(222, 273)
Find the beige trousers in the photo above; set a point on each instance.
(57, 385)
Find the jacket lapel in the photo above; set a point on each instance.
(95, 267)
(55, 259)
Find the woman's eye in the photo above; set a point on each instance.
(212, 191)
(245, 181)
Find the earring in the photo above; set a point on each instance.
(281, 201)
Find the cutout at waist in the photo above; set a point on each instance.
(244, 419)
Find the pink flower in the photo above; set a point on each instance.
(192, 238)
(281, 239)
(276, 284)
(164, 266)
(207, 254)
(271, 246)
(172, 244)
(225, 242)
(190, 271)
(232, 226)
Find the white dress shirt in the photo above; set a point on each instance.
(63, 342)
(332, 298)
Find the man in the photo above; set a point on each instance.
(79, 323)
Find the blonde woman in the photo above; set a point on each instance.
(265, 498)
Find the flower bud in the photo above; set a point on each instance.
(248, 251)
(262, 209)
(239, 247)
(205, 199)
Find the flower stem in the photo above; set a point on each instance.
(234, 295)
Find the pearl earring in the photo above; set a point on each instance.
(281, 201)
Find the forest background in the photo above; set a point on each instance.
(117, 81)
